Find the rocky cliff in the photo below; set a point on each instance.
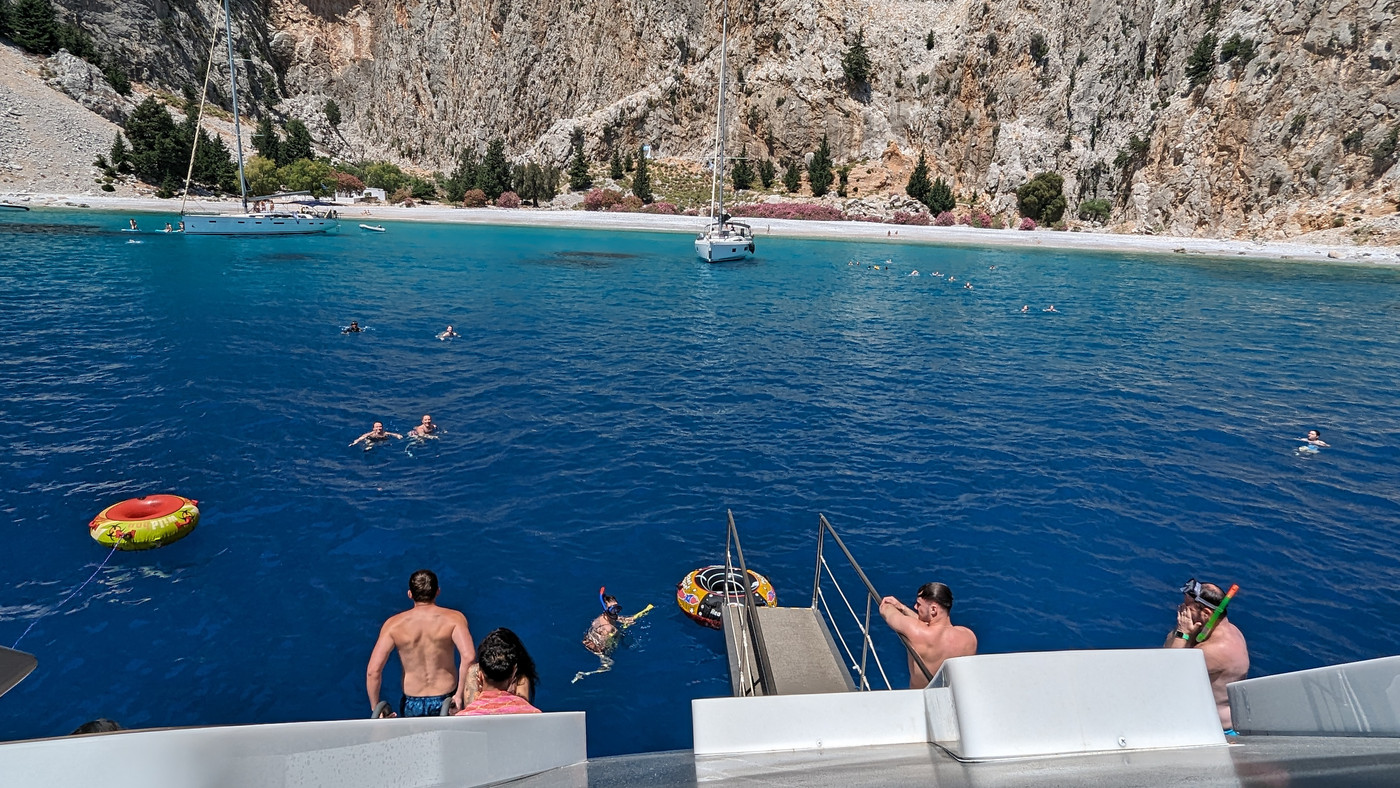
(1288, 135)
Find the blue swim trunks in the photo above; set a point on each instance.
(431, 706)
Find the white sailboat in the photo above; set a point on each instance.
(266, 218)
(722, 240)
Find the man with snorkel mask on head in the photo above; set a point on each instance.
(606, 630)
(1201, 623)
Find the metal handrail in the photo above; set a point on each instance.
(871, 596)
(761, 675)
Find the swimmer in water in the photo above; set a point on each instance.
(376, 435)
(1314, 439)
(1025, 308)
(448, 334)
(967, 285)
(133, 223)
(168, 228)
(606, 631)
(1050, 308)
(914, 272)
(425, 430)
(353, 328)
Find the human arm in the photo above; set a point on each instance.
(897, 615)
(378, 658)
(462, 639)
(357, 440)
(1186, 628)
(393, 434)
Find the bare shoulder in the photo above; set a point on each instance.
(965, 640)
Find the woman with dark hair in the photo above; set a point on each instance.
(504, 677)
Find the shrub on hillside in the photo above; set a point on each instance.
(346, 183)
(1095, 210)
(1201, 61)
(1043, 198)
(508, 200)
(918, 218)
(473, 198)
(403, 196)
(1027, 224)
(790, 210)
(664, 208)
(945, 219)
(981, 220)
(601, 199)
(631, 203)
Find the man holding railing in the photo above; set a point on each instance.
(928, 630)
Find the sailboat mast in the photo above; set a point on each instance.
(717, 179)
(237, 127)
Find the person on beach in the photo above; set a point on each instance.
(503, 679)
(448, 334)
(425, 636)
(1223, 646)
(1314, 439)
(929, 630)
(353, 328)
(376, 435)
(426, 429)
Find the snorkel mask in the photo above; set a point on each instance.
(614, 608)
(1193, 590)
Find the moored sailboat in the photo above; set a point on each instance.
(270, 221)
(722, 239)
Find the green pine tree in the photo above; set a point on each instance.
(34, 26)
(495, 170)
(855, 64)
(641, 181)
(766, 173)
(121, 154)
(792, 176)
(615, 166)
(297, 146)
(579, 179)
(940, 197)
(843, 177)
(628, 163)
(332, 111)
(741, 174)
(159, 149)
(919, 185)
(464, 178)
(819, 172)
(5, 31)
(266, 141)
(1042, 198)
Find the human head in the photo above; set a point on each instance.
(99, 725)
(931, 594)
(427, 419)
(449, 329)
(378, 426)
(423, 586)
(1314, 435)
(610, 605)
(503, 659)
(354, 324)
(1204, 598)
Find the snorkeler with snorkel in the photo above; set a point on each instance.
(605, 632)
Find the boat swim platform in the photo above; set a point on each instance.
(800, 655)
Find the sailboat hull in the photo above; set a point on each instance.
(255, 224)
(715, 250)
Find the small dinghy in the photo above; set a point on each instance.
(374, 228)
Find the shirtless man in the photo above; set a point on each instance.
(1314, 439)
(929, 630)
(448, 334)
(425, 430)
(375, 435)
(1227, 656)
(424, 636)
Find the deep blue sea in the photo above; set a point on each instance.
(610, 397)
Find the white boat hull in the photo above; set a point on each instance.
(722, 250)
(258, 224)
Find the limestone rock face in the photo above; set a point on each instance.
(1282, 130)
(84, 83)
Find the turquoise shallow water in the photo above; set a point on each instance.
(609, 398)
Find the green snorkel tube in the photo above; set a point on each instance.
(1214, 617)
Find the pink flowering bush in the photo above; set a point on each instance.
(789, 210)
(980, 219)
(1027, 223)
(664, 208)
(919, 218)
(601, 199)
(508, 200)
(474, 198)
(945, 219)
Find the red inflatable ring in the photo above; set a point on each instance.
(145, 522)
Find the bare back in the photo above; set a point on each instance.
(934, 644)
(426, 638)
(1227, 660)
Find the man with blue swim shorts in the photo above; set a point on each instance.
(425, 637)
